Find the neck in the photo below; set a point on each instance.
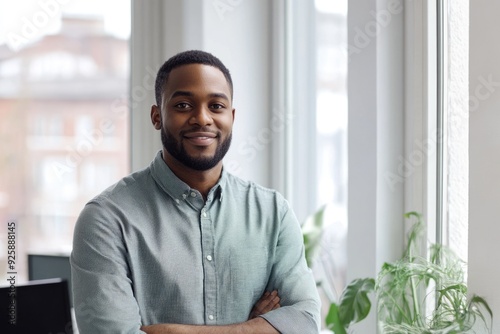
(201, 180)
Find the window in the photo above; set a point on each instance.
(331, 144)
(317, 92)
(63, 66)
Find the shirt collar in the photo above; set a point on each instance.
(177, 188)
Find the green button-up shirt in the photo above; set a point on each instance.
(151, 250)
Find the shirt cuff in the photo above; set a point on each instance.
(289, 320)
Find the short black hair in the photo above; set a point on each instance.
(187, 58)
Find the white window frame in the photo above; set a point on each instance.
(293, 158)
(421, 101)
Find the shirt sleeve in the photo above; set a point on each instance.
(300, 304)
(102, 290)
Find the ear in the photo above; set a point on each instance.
(233, 112)
(156, 117)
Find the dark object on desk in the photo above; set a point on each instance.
(43, 266)
(37, 307)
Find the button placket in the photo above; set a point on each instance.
(209, 268)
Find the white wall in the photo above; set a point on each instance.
(456, 235)
(484, 153)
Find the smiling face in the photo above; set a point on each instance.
(195, 117)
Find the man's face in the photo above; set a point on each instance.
(196, 116)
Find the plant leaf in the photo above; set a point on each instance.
(354, 302)
(477, 302)
(414, 236)
(333, 322)
(312, 230)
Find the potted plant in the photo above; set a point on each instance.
(420, 293)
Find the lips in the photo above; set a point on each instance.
(200, 138)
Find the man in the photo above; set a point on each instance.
(183, 246)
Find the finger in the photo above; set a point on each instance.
(269, 303)
(265, 296)
(275, 301)
(261, 308)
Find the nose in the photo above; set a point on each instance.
(201, 116)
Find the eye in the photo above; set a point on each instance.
(182, 105)
(217, 106)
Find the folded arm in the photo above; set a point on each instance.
(253, 326)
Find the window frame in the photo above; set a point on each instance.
(421, 108)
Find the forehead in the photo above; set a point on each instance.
(196, 78)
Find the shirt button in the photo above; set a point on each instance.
(209, 257)
(193, 194)
(204, 213)
(177, 201)
(211, 317)
(184, 196)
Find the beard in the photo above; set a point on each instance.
(177, 150)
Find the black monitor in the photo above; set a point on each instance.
(36, 307)
(43, 266)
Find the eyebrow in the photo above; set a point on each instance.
(181, 93)
(190, 94)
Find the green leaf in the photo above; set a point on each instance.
(312, 231)
(415, 234)
(333, 322)
(477, 302)
(354, 302)
(480, 301)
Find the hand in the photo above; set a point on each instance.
(268, 302)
